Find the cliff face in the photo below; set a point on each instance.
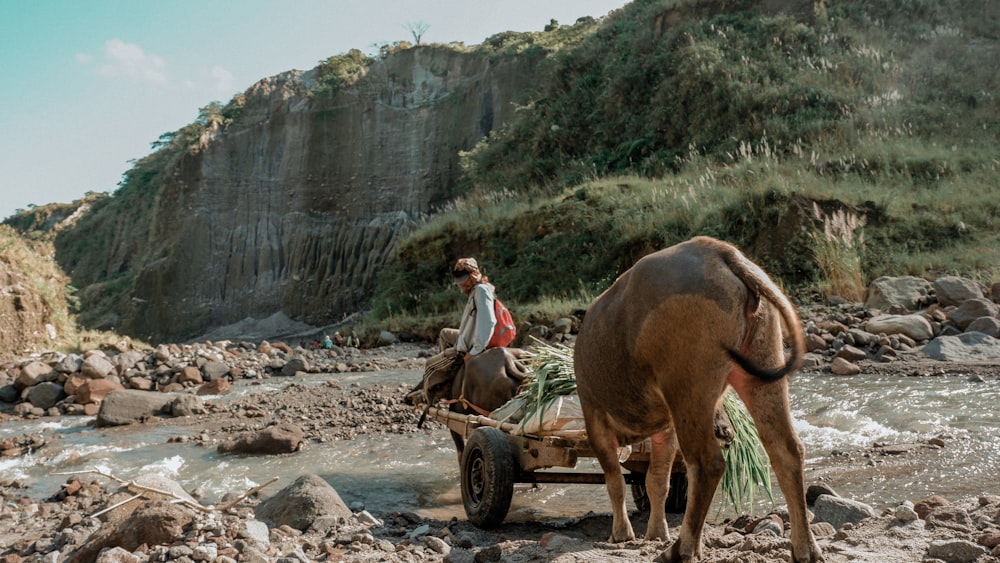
(298, 204)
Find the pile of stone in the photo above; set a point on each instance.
(53, 384)
(951, 319)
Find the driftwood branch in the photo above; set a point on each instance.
(252, 491)
(133, 486)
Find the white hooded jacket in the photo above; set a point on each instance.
(478, 320)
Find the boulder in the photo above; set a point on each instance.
(33, 373)
(153, 522)
(45, 395)
(128, 360)
(841, 366)
(916, 327)
(214, 370)
(956, 551)
(971, 310)
(953, 290)
(73, 382)
(386, 338)
(279, 439)
(852, 354)
(985, 325)
(907, 291)
(187, 404)
(190, 374)
(839, 511)
(9, 394)
(294, 365)
(94, 390)
(965, 347)
(126, 406)
(96, 366)
(70, 363)
(302, 502)
(215, 387)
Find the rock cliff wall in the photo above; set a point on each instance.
(297, 205)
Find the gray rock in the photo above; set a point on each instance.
(255, 531)
(33, 373)
(385, 338)
(852, 354)
(907, 291)
(985, 325)
(839, 511)
(279, 439)
(840, 366)
(955, 551)
(813, 492)
(187, 405)
(127, 360)
(215, 370)
(437, 545)
(117, 555)
(916, 327)
(126, 406)
(9, 394)
(952, 290)
(45, 395)
(562, 325)
(965, 347)
(905, 512)
(70, 363)
(96, 366)
(972, 309)
(294, 365)
(861, 338)
(302, 502)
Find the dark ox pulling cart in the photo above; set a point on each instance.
(499, 454)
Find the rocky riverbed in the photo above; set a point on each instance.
(69, 525)
(94, 517)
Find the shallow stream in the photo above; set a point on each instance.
(418, 472)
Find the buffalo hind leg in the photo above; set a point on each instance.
(664, 448)
(705, 466)
(768, 404)
(605, 445)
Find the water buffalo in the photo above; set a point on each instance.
(481, 385)
(655, 354)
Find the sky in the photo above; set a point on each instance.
(87, 85)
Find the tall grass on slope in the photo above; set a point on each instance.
(747, 466)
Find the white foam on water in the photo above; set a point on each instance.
(169, 466)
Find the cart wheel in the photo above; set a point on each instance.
(488, 474)
(676, 498)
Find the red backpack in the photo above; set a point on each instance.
(504, 332)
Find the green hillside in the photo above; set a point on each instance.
(834, 142)
(847, 142)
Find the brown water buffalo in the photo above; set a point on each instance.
(655, 354)
(481, 385)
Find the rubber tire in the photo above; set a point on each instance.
(488, 474)
(676, 498)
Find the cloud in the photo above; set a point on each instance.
(83, 58)
(130, 61)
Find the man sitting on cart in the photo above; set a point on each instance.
(476, 329)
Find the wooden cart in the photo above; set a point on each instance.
(497, 455)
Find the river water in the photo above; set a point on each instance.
(418, 472)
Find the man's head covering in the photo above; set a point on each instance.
(464, 268)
